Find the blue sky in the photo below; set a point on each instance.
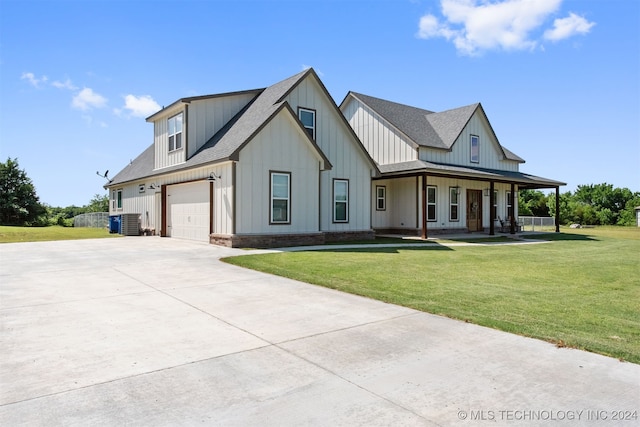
(559, 80)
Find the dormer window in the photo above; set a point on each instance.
(308, 119)
(475, 149)
(175, 132)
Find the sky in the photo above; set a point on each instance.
(559, 80)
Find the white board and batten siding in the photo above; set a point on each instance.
(207, 116)
(281, 146)
(139, 199)
(148, 203)
(491, 156)
(348, 159)
(385, 144)
(202, 119)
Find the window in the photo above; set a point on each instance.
(494, 208)
(113, 200)
(340, 200)
(280, 191)
(509, 205)
(454, 193)
(475, 149)
(381, 197)
(175, 132)
(119, 199)
(308, 119)
(431, 203)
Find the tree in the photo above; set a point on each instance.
(532, 203)
(19, 204)
(98, 204)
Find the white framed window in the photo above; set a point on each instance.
(308, 119)
(280, 198)
(119, 198)
(381, 197)
(113, 200)
(432, 197)
(509, 205)
(175, 132)
(475, 149)
(454, 197)
(494, 208)
(340, 200)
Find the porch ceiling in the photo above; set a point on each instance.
(419, 167)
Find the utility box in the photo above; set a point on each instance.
(115, 224)
(130, 224)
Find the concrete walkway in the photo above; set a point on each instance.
(151, 331)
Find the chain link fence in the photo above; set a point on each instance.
(537, 223)
(92, 220)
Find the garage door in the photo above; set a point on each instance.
(189, 211)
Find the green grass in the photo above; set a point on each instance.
(41, 234)
(582, 290)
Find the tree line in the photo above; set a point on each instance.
(599, 204)
(593, 204)
(20, 205)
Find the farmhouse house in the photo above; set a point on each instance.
(286, 166)
(439, 171)
(267, 167)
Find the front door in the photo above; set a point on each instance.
(474, 210)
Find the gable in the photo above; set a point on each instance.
(335, 137)
(384, 142)
(490, 153)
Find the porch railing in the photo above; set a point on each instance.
(537, 223)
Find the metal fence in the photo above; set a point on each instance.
(537, 223)
(93, 220)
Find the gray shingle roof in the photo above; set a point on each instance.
(415, 167)
(229, 140)
(424, 127)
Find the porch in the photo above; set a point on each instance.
(421, 199)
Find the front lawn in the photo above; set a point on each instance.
(54, 232)
(582, 290)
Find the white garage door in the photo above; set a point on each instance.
(188, 211)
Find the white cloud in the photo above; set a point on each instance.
(139, 106)
(87, 99)
(64, 85)
(475, 26)
(33, 80)
(566, 27)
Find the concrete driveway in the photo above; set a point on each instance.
(151, 331)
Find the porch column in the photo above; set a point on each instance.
(492, 202)
(557, 209)
(424, 206)
(512, 220)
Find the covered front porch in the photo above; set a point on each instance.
(420, 198)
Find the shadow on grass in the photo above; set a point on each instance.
(391, 249)
(558, 237)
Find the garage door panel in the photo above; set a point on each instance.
(189, 211)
